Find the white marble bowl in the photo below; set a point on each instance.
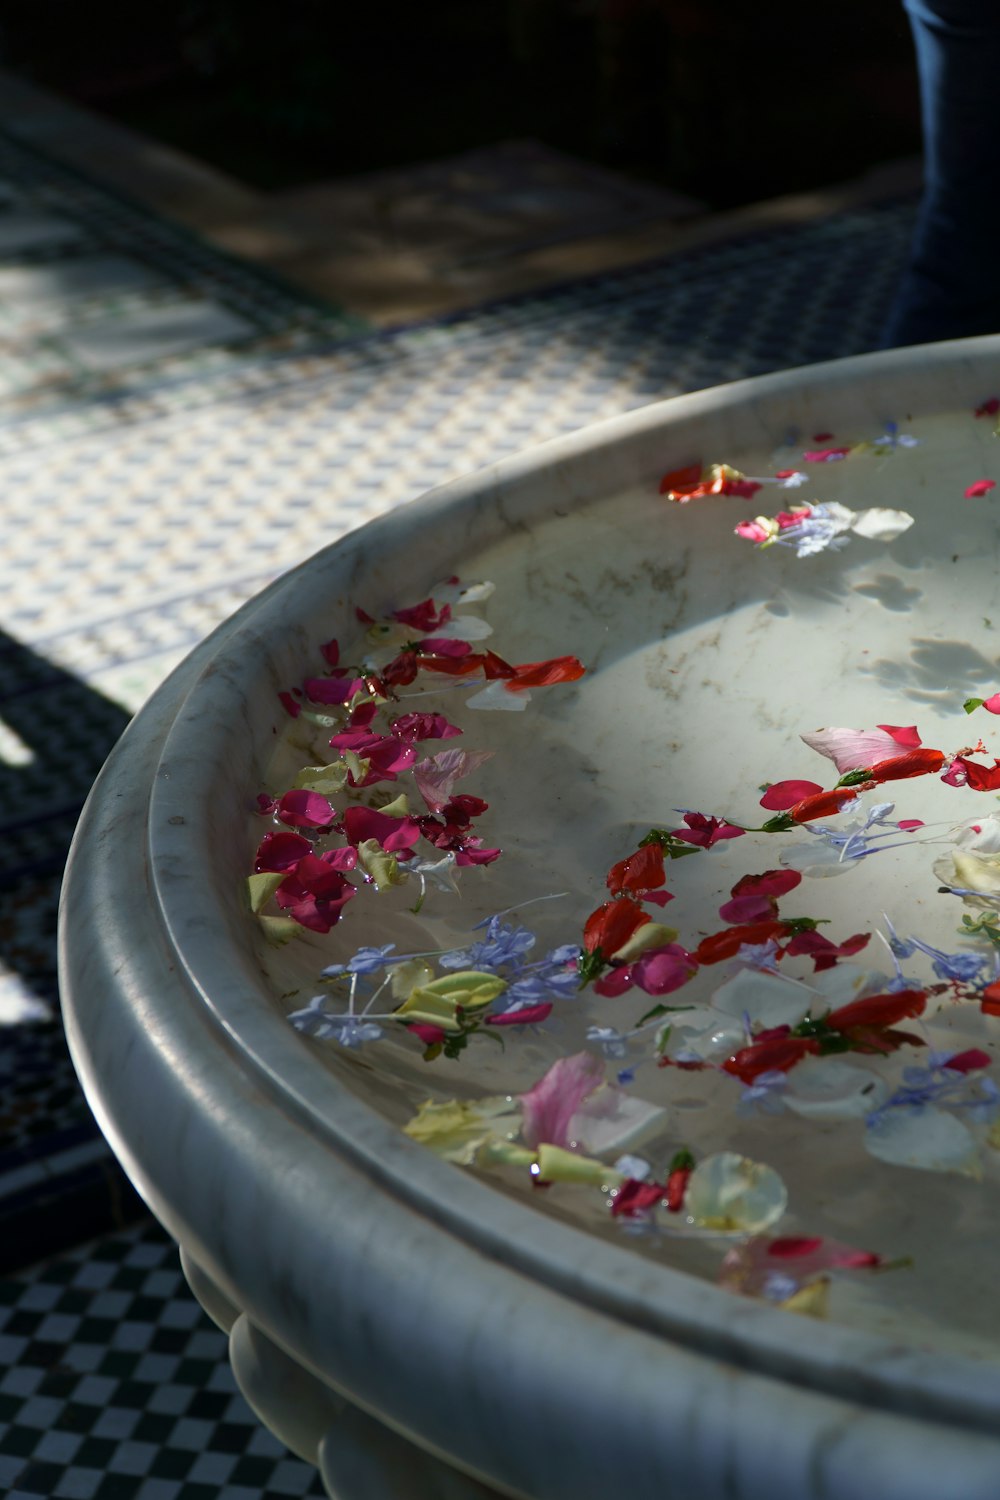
(402, 1323)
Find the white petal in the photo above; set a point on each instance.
(463, 628)
(881, 525)
(612, 1120)
(922, 1136)
(768, 999)
(834, 1089)
(495, 695)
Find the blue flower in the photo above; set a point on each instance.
(503, 945)
(365, 961)
(349, 1030)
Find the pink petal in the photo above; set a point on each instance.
(992, 705)
(280, 852)
(747, 909)
(440, 645)
(331, 653)
(968, 1062)
(290, 705)
(615, 982)
(907, 825)
(332, 689)
(550, 1105)
(423, 727)
(529, 1015)
(662, 970)
(302, 809)
(394, 834)
(781, 795)
(853, 749)
(907, 737)
(751, 531)
(981, 487)
(825, 455)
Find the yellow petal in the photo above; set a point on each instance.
(381, 866)
(261, 888)
(812, 1300)
(650, 935)
(328, 780)
(558, 1165)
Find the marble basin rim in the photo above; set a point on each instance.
(349, 1247)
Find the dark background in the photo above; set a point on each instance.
(727, 100)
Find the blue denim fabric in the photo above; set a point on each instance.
(951, 288)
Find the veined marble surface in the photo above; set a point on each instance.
(544, 1361)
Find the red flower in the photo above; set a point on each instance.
(726, 944)
(774, 1054)
(705, 831)
(822, 951)
(979, 778)
(544, 673)
(641, 871)
(824, 804)
(877, 1010)
(633, 1196)
(683, 483)
(424, 616)
(922, 762)
(989, 1002)
(612, 924)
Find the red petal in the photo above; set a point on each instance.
(922, 762)
(773, 1056)
(543, 673)
(878, 1010)
(641, 871)
(981, 487)
(612, 924)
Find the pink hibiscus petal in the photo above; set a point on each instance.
(906, 736)
(853, 749)
(981, 487)
(436, 776)
(550, 1105)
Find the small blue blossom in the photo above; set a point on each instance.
(962, 967)
(626, 1076)
(365, 961)
(348, 1030)
(503, 945)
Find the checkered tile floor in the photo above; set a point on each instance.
(116, 1386)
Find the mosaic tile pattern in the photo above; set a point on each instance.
(175, 430)
(116, 1386)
